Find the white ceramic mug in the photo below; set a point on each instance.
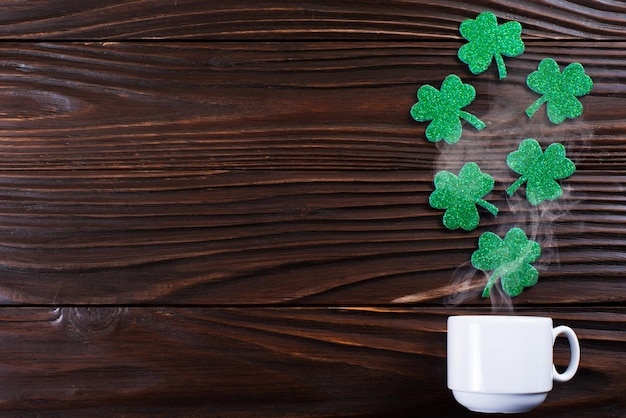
(504, 363)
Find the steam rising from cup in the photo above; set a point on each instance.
(489, 150)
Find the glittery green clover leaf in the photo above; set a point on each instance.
(539, 170)
(460, 195)
(559, 90)
(443, 108)
(488, 40)
(509, 259)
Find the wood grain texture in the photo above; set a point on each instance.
(285, 173)
(286, 20)
(303, 105)
(197, 362)
(274, 237)
(220, 209)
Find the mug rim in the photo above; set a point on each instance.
(501, 317)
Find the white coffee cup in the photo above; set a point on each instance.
(504, 363)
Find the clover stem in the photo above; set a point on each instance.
(501, 66)
(491, 208)
(513, 187)
(535, 106)
(473, 120)
(492, 280)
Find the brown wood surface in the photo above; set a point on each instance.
(335, 362)
(288, 20)
(291, 174)
(221, 208)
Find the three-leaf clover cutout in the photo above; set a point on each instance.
(460, 194)
(488, 41)
(539, 170)
(443, 108)
(509, 259)
(558, 89)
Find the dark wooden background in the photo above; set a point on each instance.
(219, 208)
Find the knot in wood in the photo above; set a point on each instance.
(94, 319)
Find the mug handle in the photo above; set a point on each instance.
(574, 356)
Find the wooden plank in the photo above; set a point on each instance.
(281, 19)
(155, 106)
(146, 173)
(274, 237)
(158, 362)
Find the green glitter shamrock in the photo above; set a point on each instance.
(460, 195)
(509, 259)
(488, 40)
(559, 90)
(539, 170)
(444, 109)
